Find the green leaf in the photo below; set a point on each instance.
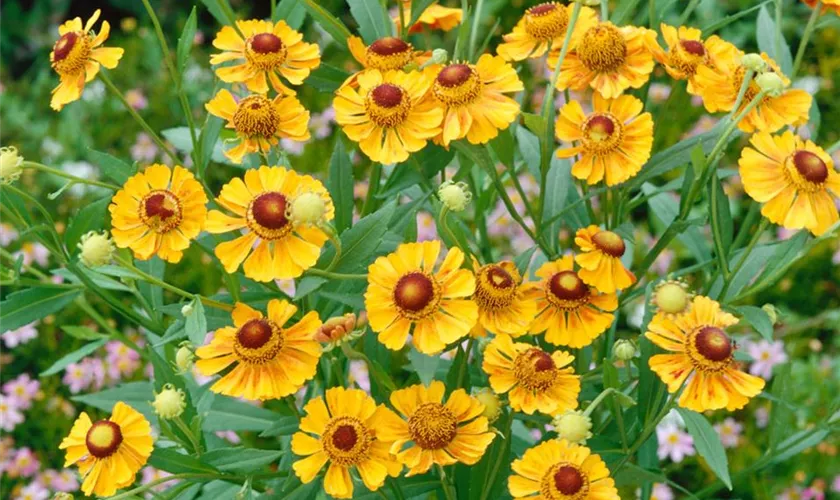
(327, 78)
(417, 9)
(196, 323)
(535, 123)
(708, 445)
(291, 11)
(89, 218)
(138, 395)
(24, 307)
(152, 293)
(208, 140)
(360, 241)
(83, 333)
(665, 209)
(765, 35)
(73, 357)
(98, 279)
(340, 185)
(425, 366)
(529, 148)
(723, 215)
(240, 459)
(284, 426)
(372, 19)
(185, 42)
(179, 137)
(174, 462)
(336, 29)
(227, 414)
(759, 320)
(523, 260)
(218, 12)
(557, 186)
(799, 442)
(726, 21)
(113, 168)
(782, 418)
(504, 148)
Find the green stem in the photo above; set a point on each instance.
(598, 399)
(646, 432)
(336, 276)
(605, 10)
(806, 36)
(777, 39)
(373, 188)
(11, 258)
(474, 28)
(336, 243)
(447, 488)
(61, 173)
(688, 11)
(744, 232)
(727, 280)
(717, 236)
(186, 430)
(834, 147)
(462, 368)
(652, 14)
(403, 32)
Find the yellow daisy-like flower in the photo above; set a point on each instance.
(704, 354)
(439, 433)
(260, 122)
(346, 426)
(109, 452)
(76, 57)
(687, 51)
(271, 360)
(158, 212)
(543, 27)
(474, 100)
(385, 54)
(503, 305)
(560, 470)
(261, 205)
(600, 263)
(405, 295)
(719, 89)
(614, 141)
(537, 380)
(435, 17)
(795, 179)
(607, 58)
(390, 115)
(569, 311)
(268, 50)
(827, 5)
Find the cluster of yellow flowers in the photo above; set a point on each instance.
(399, 100)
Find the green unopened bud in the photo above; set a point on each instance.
(308, 208)
(439, 56)
(10, 165)
(454, 195)
(97, 249)
(187, 310)
(671, 297)
(624, 350)
(573, 426)
(590, 3)
(185, 357)
(61, 495)
(170, 402)
(754, 62)
(771, 312)
(770, 83)
(492, 406)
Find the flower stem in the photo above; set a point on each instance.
(186, 430)
(336, 276)
(336, 243)
(717, 236)
(806, 36)
(834, 147)
(727, 282)
(61, 173)
(447, 488)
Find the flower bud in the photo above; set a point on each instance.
(624, 350)
(454, 196)
(62, 495)
(170, 402)
(492, 406)
(590, 3)
(10, 165)
(573, 426)
(336, 331)
(187, 310)
(184, 357)
(771, 83)
(772, 312)
(754, 62)
(439, 56)
(671, 297)
(97, 249)
(308, 208)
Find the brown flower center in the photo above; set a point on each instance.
(387, 95)
(568, 480)
(266, 43)
(600, 128)
(388, 46)
(156, 206)
(609, 243)
(495, 287)
(546, 21)
(344, 437)
(346, 440)
(603, 48)
(432, 426)
(454, 75)
(103, 438)
(64, 45)
(499, 278)
(254, 334)
(414, 292)
(566, 285)
(161, 211)
(543, 362)
(713, 343)
(693, 47)
(810, 166)
(534, 370)
(256, 116)
(269, 210)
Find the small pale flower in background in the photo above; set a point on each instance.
(22, 335)
(33, 491)
(51, 149)
(426, 227)
(149, 474)
(76, 377)
(34, 253)
(22, 390)
(674, 444)
(659, 92)
(24, 463)
(286, 286)
(321, 124)
(94, 93)
(729, 431)
(294, 148)
(81, 169)
(792, 493)
(136, 99)
(144, 149)
(766, 355)
(8, 234)
(358, 374)
(10, 415)
(229, 436)
(762, 417)
(64, 480)
(660, 492)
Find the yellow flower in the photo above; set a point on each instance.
(109, 452)
(437, 433)
(503, 307)
(474, 100)
(271, 360)
(76, 57)
(614, 141)
(570, 312)
(704, 354)
(543, 27)
(260, 122)
(832, 5)
(390, 115)
(158, 211)
(600, 260)
(560, 470)
(795, 179)
(687, 51)
(284, 248)
(607, 58)
(719, 89)
(268, 50)
(385, 54)
(435, 17)
(405, 295)
(537, 380)
(347, 427)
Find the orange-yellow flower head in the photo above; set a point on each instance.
(503, 305)
(607, 58)
(537, 380)
(280, 246)
(560, 470)
(345, 424)
(158, 212)
(260, 122)
(795, 179)
(687, 51)
(719, 89)
(267, 52)
(390, 114)
(569, 311)
(827, 5)
(600, 260)
(76, 57)
(385, 54)
(704, 354)
(436, 432)
(613, 141)
(270, 359)
(405, 295)
(435, 17)
(109, 452)
(543, 27)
